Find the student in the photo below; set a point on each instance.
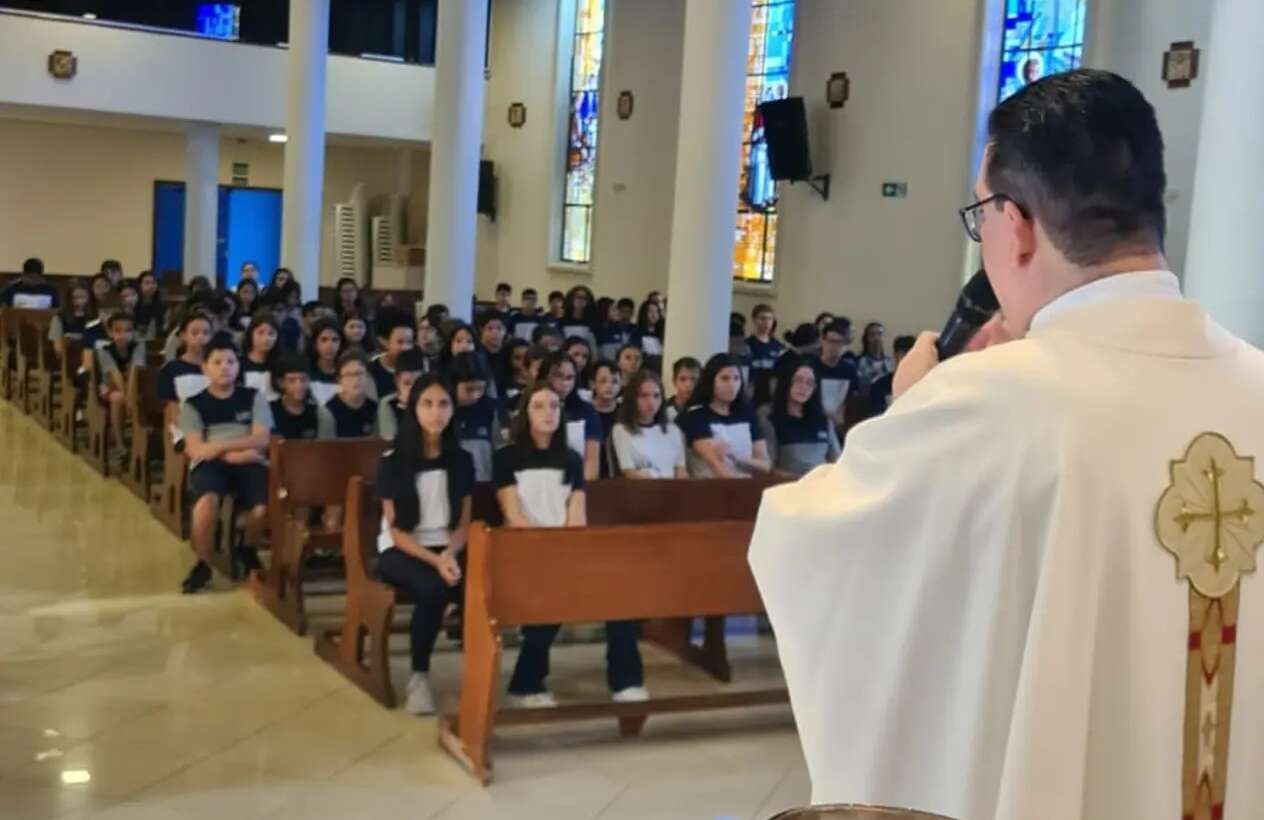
(199, 284)
(294, 413)
(114, 359)
(582, 426)
(459, 339)
(540, 483)
(685, 373)
(656, 298)
(836, 373)
(71, 321)
(113, 271)
(516, 351)
(247, 297)
(129, 299)
(825, 318)
(101, 287)
(616, 334)
(310, 314)
(151, 311)
(649, 323)
(548, 337)
(627, 311)
(880, 390)
(347, 297)
(249, 272)
(799, 435)
(326, 346)
(355, 332)
(226, 429)
(31, 290)
(529, 317)
(503, 308)
(580, 351)
(280, 279)
(644, 442)
(557, 305)
(492, 334)
(630, 361)
(873, 362)
(720, 428)
(536, 354)
(579, 315)
(395, 335)
(260, 344)
(607, 385)
(804, 340)
(765, 349)
(426, 482)
(476, 417)
(350, 413)
(183, 377)
(409, 366)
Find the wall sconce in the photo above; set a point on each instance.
(625, 105)
(838, 89)
(517, 115)
(63, 65)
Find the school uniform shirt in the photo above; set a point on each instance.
(219, 419)
(110, 359)
(476, 428)
(650, 449)
(291, 333)
(764, 355)
(441, 486)
(381, 378)
(608, 422)
(32, 295)
(258, 376)
(524, 326)
(543, 481)
(872, 368)
(340, 420)
(798, 445)
(836, 380)
(179, 380)
(582, 423)
(880, 393)
(651, 344)
(61, 327)
(388, 416)
(94, 335)
(611, 338)
(324, 386)
(583, 330)
(151, 315)
(739, 430)
(295, 426)
(673, 413)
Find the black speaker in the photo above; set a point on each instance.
(786, 132)
(487, 188)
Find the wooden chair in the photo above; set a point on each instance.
(26, 357)
(601, 573)
(97, 418)
(8, 350)
(47, 384)
(66, 416)
(305, 475)
(171, 506)
(144, 409)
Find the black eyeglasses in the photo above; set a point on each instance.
(972, 215)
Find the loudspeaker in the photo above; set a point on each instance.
(786, 132)
(487, 188)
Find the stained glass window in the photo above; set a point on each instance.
(581, 139)
(767, 78)
(1042, 37)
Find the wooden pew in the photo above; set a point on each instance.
(32, 336)
(359, 650)
(627, 572)
(171, 507)
(66, 420)
(144, 409)
(97, 418)
(47, 384)
(8, 350)
(304, 475)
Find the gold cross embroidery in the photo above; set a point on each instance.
(1242, 514)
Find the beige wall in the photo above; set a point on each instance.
(75, 195)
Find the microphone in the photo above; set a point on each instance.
(975, 307)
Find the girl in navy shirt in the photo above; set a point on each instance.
(476, 412)
(721, 429)
(460, 339)
(799, 435)
(425, 483)
(579, 420)
(261, 356)
(326, 345)
(607, 385)
(150, 309)
(579, 315)
(580, 352)
(73, 319)
(540, 483)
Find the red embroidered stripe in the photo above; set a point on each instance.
(1195, 641)
(1229, 634)
(1217, 812)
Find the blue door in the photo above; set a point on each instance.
(249, 229)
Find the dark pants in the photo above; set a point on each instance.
(430, 596)
(623, 658)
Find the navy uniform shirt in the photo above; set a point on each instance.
(476, 427)
(543, 481)
(739, 430)
(217, 419)
(340, 420)
(288, 425)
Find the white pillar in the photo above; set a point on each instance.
(452, 216)
(305, 147)
(1226, 245)
(704, 218)
(201, 200)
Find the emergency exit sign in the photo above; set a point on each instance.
(894, 190)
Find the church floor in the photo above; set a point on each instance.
(121, 699)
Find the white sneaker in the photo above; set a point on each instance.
(633, 694)
(540, 700)
(420, 699)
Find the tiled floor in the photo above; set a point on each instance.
(120, 699)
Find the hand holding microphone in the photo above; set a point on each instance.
(977, 307)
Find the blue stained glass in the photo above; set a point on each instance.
(581, 140)
(1042, 37)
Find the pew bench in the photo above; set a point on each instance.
(32, 337)
(66, 421)
(146, 429)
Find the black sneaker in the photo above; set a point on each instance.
(248, 557)
(198, 580)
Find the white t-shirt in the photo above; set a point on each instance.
(436, 513)
(650, 449)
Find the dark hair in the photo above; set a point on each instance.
(568, 305)
(285, 364)
(1081, 153)
(128, 284)
(436, 315)
(68, 307)
(33, 267)
(530, 292)
(840, 326)
(504, 287)
(555, 359)
(260, 319)
(352, 356)
(486, 318)
(543, 330)
(685, 363)
(628, 411)
(309, 308)
(737, 325)
(408, 454)
(536, 353)
(625, 302)
(411, 360)
(520, 427)
(449, 335)
(389, 319)
(468, 367)
(762, 308)
(248, 283)
(199, 283)
(643, 319)
(111, 265)
(120, 316)
(805, 335)
(319, 327)
(513, 344)
(193, 316)
(619, 355)
(903, 344)
(705, 391)
(556, 294)
(220, 341)
(602, 313)
(289, 273)
(787, 366)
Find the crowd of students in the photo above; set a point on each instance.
(538, 399)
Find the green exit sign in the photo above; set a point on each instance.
(895, 190)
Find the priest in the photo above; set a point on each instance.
(1027, 592)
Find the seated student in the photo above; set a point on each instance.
(323, 353)
(395, 335)
(32, 290)
(616, 333)
(311, 313)
(579, 316)
(582, 426)
(426, 482)
(247, 299)
(276, 300)
(685, 373)
(580, 352)
(720, 428)
(798, 434)
(226, 429)
(503, 308)
(295, 415)
(151, 311)
(349, 413)
(630, 360)
(347, 297)
(260, 343)
(477, 420)
(129, 300)
(200, 304)
(836, 373)
(492, 333)
(880, 390)
(72, 320)
(557, 305)
(547, 336)
(409, 366)
(113, 361)
(529, 317)
(355, 332)
(627, 311)
(765, 349)
(183, 377)
(519, 377)
(540, 483)
(645, 443)
(113, 271)
(458, 338)
(428, 342)
(101, 287)
(607, 385)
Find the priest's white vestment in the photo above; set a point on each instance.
(979, 610)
